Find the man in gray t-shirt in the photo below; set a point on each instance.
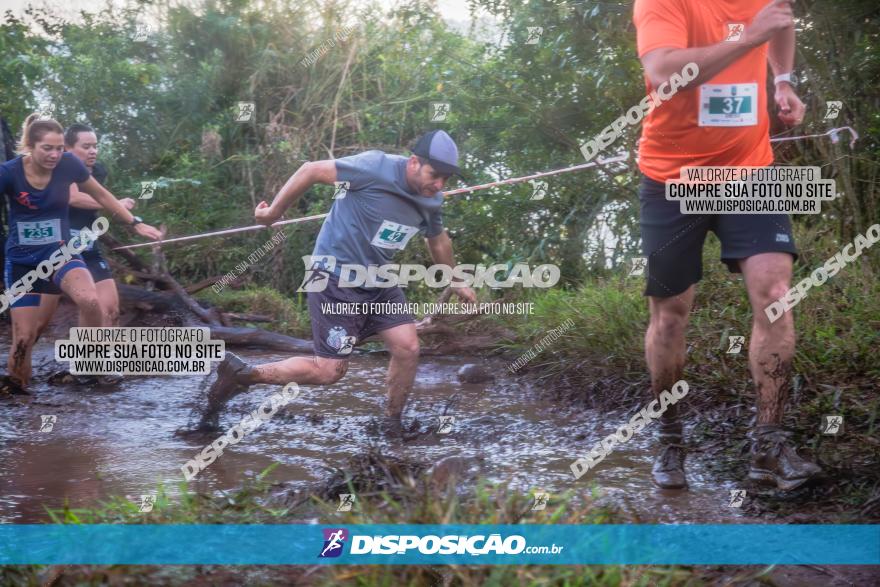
(381, 202)
(375, 214)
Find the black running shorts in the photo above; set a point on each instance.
(97, 265)
(673, 242)
(342, 317)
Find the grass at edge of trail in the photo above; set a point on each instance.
(288, 316)
(412, 499)
(837, 325)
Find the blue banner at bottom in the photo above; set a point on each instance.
(292, 544)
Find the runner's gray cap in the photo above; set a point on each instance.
(440, 151)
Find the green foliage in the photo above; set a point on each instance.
(288, 316)
(165, 106)
(837, 324)
(22, 65)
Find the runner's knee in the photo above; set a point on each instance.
(670, 319)
(767, 292)
(331, 372)
(27, 334)
(88, 303)
(408, 351)
(112, 315)
(763, 297)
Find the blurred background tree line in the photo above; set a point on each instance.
(161, 82)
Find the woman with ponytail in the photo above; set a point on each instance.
(41, 260)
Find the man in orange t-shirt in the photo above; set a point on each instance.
(718, 119)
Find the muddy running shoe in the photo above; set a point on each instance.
(668, 470)
(391, 428)
(10, 386)
(232, 379)
(775, 459)
(62, 377)
(65, 377)
(110, 380)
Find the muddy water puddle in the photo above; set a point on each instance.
(120, 440)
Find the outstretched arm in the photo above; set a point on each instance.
(109, 202)
(306, 176)
(80, 200)
(83, 201)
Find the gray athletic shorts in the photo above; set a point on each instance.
(342, 316)
(673, 242)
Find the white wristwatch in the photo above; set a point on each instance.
(783, 77)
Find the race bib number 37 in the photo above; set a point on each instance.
(729, 104)
(392, 235)
(45, 232)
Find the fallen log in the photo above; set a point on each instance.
(133, 260)
(261, 339)
(149, 301)
(203, 284)
(210, 316)
(247, 317)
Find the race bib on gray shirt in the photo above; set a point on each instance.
(375, 215)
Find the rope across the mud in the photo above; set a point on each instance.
(485, 186)
(833, 133)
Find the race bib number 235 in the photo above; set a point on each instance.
(44, 232)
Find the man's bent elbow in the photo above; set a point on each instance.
(655, 65)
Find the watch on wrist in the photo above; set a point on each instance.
(136, 220)
(785, 77)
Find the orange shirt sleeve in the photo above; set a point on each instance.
(660, 23)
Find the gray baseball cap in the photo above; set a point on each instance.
(440, 151)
